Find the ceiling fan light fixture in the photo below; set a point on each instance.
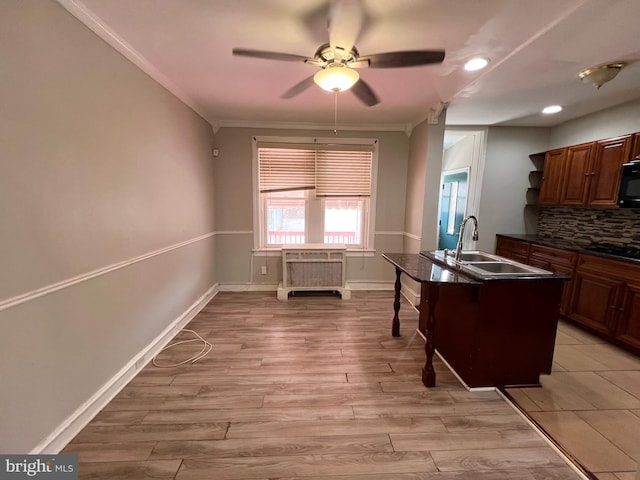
(601, 74)
(551, 109)
(477, 63)
(336, 77)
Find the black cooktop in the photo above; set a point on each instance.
(617, 250)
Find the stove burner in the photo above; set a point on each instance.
(616, 250)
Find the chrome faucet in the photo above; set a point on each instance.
(461, 234)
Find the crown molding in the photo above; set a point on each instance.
(80, 11)
(383, 127)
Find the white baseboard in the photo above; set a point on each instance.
(273, 287)
(248, 287)
(412, 297)
(384, 285)
(72, 425)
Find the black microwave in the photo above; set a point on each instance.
(629, 193)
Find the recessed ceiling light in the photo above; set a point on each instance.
(552, 109)
(476, 64)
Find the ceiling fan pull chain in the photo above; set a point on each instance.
(335, 112)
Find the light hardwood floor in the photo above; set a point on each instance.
(590, 404)
(314, 388)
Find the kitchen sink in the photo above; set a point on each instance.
(500, 267)
(476, 257)
(486, 265)
(503, 268)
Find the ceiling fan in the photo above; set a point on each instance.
(339, 58)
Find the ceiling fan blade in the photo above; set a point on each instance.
(345, 23)
(287, 57)
(364, 93)
(298, 88)
(404, 59)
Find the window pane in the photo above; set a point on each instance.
(453, 207)
(285, 218)
(343, 220)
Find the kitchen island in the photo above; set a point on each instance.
(494, 327)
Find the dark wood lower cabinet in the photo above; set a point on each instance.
(627, 329)
(594, 301)
(603, 295)
(558, 261)
(606, 299)
(513, 249)
(502, 333)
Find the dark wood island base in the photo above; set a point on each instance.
(493, 333)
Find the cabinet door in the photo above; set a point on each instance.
(514, 249)
(577, 174)
(552, 177)
(628, 327)
(594, 300)
(609, 157)
(567, 288)
(635, 148)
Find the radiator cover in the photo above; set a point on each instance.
(313, 267)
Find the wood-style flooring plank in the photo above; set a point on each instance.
(501, 458)
(248, 414)
(305, 465)
(324, 428)
(461, 440)
(152, 470)
(274, 446)
(151, 432)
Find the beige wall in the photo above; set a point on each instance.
(435, 152)
(416, 178)
(106, 216)
(505, 182)
(239, 267)
(607, 123)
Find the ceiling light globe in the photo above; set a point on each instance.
(476, 64)
(552, 109)
(601, 74)
(336, 77)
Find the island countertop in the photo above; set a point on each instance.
(423, 270)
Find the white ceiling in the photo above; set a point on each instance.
(535, 47)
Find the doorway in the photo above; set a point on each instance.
(464, 153)
(453, 206)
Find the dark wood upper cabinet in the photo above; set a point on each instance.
(587, 174)
(577, 174)
(635, 147)
(605, 179)
(554, 162)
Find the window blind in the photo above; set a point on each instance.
(283, 169)
(333, 170)
(343, 173)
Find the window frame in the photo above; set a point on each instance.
(259, 231)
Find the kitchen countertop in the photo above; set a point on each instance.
(422, 269)
(565, 245)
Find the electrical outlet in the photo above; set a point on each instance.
(263, 270)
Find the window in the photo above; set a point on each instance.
(314, 193)
(285, 214)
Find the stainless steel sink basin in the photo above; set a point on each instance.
(476, 257)
(503, 268)
(500, 267)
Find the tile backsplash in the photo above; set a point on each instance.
(584, 226)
